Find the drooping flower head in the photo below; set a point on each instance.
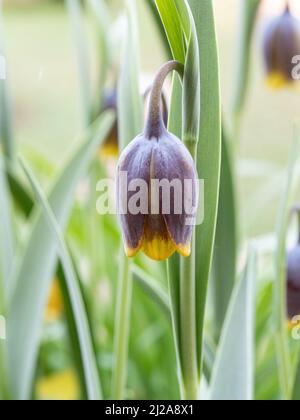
(110, 146)
(156, 182)
(293, 282)
(281, 46)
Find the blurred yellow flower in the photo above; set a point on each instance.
(60, 386)
(54, 307)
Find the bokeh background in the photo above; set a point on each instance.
(46, 106)
(47, 119)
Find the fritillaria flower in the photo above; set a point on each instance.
(281, 46)
(161, 223)
(110, 147)
(293, 282)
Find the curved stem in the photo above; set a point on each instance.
(155, 124)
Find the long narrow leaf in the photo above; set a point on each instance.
(157, 19)
(209, 152)
(21, 197)
(34, 275)
(130, 115)
(247, 20)
(6, 132)
(233, 375)
(152, 288)
(224, 262)
(130, 124)
(296, 386)
(171, 20)
(85, 342)
(279, 290)
(6, 235)
(100, 12)
(77, 22)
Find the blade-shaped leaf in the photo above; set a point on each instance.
(77, 22)
(152, 7)
(85, 342)
(233, 374)
(209, 152)
(296, 387)
(152, 288)
(6, 261)
(224, 261)
(20, 195)
(130, 114)
(130, 125)
(100, 12)
(6, 236)
(279, 290)
(171, 20)
(6, 134)
(247, 20)
(34, 275)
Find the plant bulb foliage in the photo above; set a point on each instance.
(156, 154)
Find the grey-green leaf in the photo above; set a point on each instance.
(6, 236)
(233, 374)
(92, 382)
(34, 275)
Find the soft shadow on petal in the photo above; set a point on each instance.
(172, 161)
(134, 164)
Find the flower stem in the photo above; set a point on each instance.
(188, 327)
(122, 327)
(188, 341)
(155, 123)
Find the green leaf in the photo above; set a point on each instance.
(209, 152)
(20, 195)
(171, 21)
(152, 288)
(130, 114)
(130, 125)
(6, 132)
(233, 374)
(85, 342)
(224, 262)
(77, 22)
(296, 387)
(173, 264)
(34, 275)
(100, 13)
(156, 17)
(247, 20)
(279, 290)
(6, 263)
(191, 81)
(6, 238)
